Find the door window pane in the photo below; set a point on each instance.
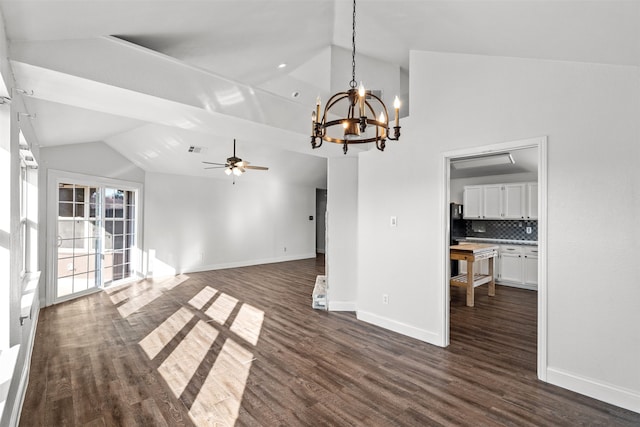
(92, 251)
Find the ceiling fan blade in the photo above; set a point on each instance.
(212, 163)
(216, 167)
(259, 168)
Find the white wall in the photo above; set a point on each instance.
(342, 230)
(590, 114)
(374, 74)
(194, 224)
(395, 261)
(92, 158)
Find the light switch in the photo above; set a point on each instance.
(394, 221)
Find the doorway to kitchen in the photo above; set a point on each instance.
(453, 193)
(92, 234)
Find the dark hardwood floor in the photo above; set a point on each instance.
(244, 347)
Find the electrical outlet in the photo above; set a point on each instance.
(285, 249)
(393, 221)
(528, 230)
(385, 299)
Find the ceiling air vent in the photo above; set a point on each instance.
(196, 150)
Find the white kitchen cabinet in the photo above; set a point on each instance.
(492, 201)
(511, 264)
(518, 266)
(531, 266)
(514, 201)
(532, 201)
(501, 201)
(473, 200)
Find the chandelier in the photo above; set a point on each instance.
(364, 116)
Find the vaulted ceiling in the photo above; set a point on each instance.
(151, 78)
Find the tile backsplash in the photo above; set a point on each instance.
(502, 229)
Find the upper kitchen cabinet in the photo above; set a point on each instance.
(492, 201)
(514, 198)
(501, 201)
(473, 201)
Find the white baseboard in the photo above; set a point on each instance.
(401, 328)
(247, 263)
(517, 285)
(342, 305)
(624, 398)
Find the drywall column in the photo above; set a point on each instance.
(5, 222)
(342, 226)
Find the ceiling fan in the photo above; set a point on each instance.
(235, 165)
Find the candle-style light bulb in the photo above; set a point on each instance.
(318, 108)
(361, 94)
(396, 106)
(313, 123)
(382, 120)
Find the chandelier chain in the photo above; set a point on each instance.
(353, 83)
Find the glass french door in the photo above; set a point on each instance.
(119, 227)
(95, 238)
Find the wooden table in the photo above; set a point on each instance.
(472, 252)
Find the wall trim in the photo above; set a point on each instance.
(342, 305)
(246, 263)
(400, 327)
(618, 396)
(540, 143)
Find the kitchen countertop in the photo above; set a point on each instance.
(499, 241)
(473, 247)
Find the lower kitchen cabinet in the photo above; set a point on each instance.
(518, 266)
(531, 266)
(510, 268)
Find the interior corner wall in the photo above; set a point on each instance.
(342, 232)
(195, 224)
(589, 112)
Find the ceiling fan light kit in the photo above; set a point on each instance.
(234, 165)
(358, 109)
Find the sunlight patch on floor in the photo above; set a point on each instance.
(228, 377)
(158, 339)
(248, 323)
(117, 296)
(208, 376)
(180, 367)
(202, 297)
(141, 294)
(221, 308)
